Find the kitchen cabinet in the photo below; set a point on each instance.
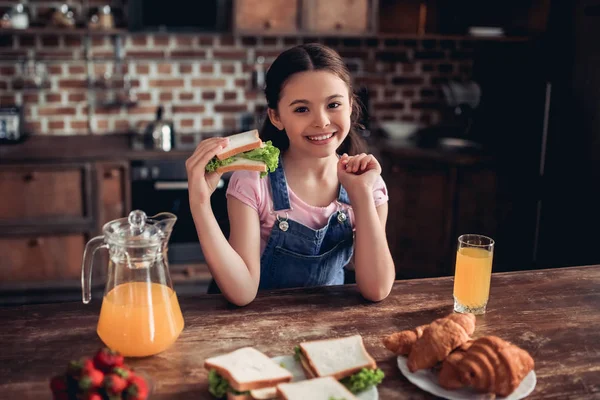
(50, 210)
(265, 16)
(432, 202)
(337, 16)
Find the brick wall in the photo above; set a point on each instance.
(204, 81)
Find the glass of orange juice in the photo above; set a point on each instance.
(473, 273)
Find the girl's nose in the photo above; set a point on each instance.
(321, 120)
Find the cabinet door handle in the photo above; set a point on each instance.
(338, 26)
(35, 242)
(268, 24)
(113, 173)
(30, 176)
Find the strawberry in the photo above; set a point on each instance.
(114, 384)
(90, 379)
(122, 371)
(105, 359)
(76, 368)
(58, 384)
(137, 389)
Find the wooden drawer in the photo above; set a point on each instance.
(336, 16)
(39, 258)
(266, 16)
(32, 192)
(114, 192)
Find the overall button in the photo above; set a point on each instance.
(283, 225)
(341, 217)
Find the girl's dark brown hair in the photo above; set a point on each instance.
(309, 57)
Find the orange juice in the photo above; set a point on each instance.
(140, 319)
(472, 276)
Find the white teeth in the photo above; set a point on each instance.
(322, 137)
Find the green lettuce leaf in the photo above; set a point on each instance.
(218, 386)
(297, 353)
(268, 154)
(363, 379)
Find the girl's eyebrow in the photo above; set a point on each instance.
(302, 101)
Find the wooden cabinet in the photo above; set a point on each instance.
(30, 192)
(49, 213)
(336, 16)
(113, 191)
(41, 258)
(255, 16)
(432, 202)
(305, 16)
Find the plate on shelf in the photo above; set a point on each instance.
(427, 380)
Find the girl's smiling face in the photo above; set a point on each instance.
(314, 109)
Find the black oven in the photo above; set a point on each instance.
(161, 185)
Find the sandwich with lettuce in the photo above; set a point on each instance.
(246, 151)
(344, 359)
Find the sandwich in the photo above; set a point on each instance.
(245, 151)
(326, 388)
(244, 374)
(344, 359)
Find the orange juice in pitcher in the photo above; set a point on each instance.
(140, 314)
(147, 316)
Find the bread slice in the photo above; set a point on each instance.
(247, 369)
(240, 143)
(338, 358)
(244, 164)
(314, 389)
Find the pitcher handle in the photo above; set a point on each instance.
(86, 267)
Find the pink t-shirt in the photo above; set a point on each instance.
(250, 189)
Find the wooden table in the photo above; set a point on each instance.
(553, 314)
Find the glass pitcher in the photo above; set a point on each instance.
(140, 314)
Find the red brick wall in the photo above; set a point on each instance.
(204, 81)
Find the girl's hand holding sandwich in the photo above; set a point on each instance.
(202, 184)
(359, 172)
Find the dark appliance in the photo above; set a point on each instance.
(161, 185)
(178, 15)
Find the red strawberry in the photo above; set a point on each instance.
(58, 384)
(76, 368)
(105, 359)
(91, 378)
(137, 388)
(122, 371)
(114, 384)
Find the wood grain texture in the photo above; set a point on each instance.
(553, 314)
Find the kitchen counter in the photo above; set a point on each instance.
(118, 147)
(553, 314)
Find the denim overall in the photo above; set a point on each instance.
(299, 256)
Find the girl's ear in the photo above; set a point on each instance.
(274, 117)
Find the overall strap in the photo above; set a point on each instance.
(279, 188)
(343, 196)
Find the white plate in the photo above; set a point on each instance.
(290, 363)
(427, 380)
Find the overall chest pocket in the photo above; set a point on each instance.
(292, 269)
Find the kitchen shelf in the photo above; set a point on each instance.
(62, 31)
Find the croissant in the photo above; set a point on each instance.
(492, 365)
(449, 376)
(439, 339)
(401, 342)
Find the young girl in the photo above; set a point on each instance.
(325, 203)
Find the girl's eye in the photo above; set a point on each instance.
(335, 105)
(301, 110)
